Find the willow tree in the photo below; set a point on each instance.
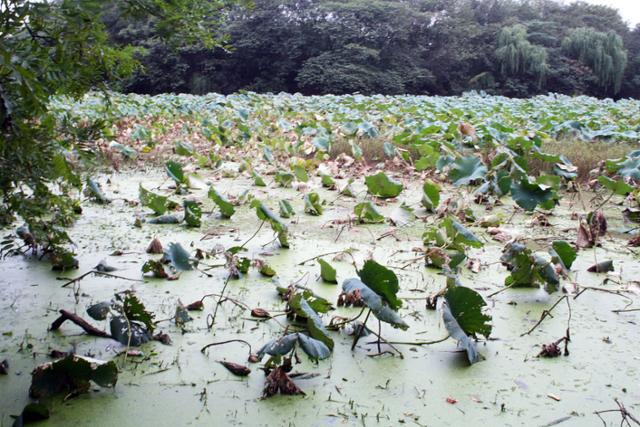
(604, 53)
(518, 57)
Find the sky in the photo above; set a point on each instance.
(629, 9)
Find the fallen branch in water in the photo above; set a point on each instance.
(86, 326)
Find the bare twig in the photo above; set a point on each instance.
(626, 415)
(97, 273)
(547, 313)
(213, 344)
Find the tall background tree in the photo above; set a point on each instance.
(399, 46)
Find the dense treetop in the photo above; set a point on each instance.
(509, 47)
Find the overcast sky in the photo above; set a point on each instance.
(629, 9)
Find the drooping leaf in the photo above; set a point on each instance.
(100, 310)
(164, 219)
(300, 173)
(258, 181)
(181, 316)
(327, 181)
(467, 307)
(183, 148)
(528, 195)
(175, 172)
(159, 204)
(322, 143)
(402, 215)
(389, 149)
(267, 271)
(367, 213)
(327, 272)
(375, 302)
(278, 347)
(178, 257)
(32, 413)
(128, 333)
(315, 349)
(430, 195)
(601, 267)
(382, 281)
(72, 374)
(265, 214)
(457, 333)
(315, 326)
(618, 187)
(465, 170)
(94, 191)
(313, 204)
(284, 179)
(382, 186)
(226, 208)
(565, 252)
(347, 190)
(286, 210)
(192, 213)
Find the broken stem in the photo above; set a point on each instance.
(203, 349)
(547, 313)
(98, 273)
(360, 329)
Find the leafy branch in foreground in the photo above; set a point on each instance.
(41, 158)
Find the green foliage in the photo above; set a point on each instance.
(374, 301)
(516, 55)
(265, 214)
(381, 185)
(226, 208)
(63, 48)
(367, 213)
(430, 195)
(382, 281)
(313, 204)
(603, 52)
(327, 272)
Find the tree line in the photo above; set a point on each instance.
(437, 47)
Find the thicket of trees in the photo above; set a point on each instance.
(510, 47)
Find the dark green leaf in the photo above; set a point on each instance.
(226, 208)
(100, 310)
(529, 195)
(367, 213)
(286, 210)
(178, 257)
(601, 267)
(465, 170)
(192, 213)
(72, 374)
(565, 252)
(430, 195)
(375, 302)
(382, 281)
(381, 185)
(467, 307)
(327, 272)
(312, 204)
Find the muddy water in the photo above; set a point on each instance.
(178, 385)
